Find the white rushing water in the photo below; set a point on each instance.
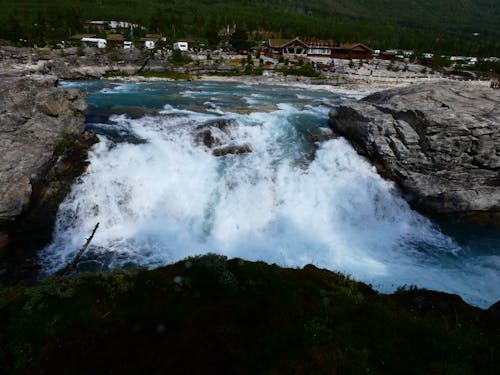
(167, 197)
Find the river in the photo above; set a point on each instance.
(161, 195)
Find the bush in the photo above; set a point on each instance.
(179, 59)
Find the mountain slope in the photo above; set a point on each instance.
(447, 25)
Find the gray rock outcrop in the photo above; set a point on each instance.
(35, 119)
(439, 141)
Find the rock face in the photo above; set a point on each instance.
(43, 141)
(439, 141)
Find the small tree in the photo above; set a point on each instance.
(239, 39)
(178, 59)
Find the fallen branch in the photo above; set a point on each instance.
(72, 265)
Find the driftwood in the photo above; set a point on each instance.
(72, 265)
(495, 84)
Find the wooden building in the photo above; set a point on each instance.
(320, 48)
(298, 48)
(294, 47)
(352, 51)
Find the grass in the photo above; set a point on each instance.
(208, 314)
(165, 74)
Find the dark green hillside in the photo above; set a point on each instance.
(439, 25)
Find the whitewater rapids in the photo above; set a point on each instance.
(290, 201)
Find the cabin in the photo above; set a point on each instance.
(294, 47)
(298, 48)
(94, 24)
(181, 46)
(352, 51)
(320, 48)
(389, 55)
(150, 40)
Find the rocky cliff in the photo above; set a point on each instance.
(43, 142)
(439, 141)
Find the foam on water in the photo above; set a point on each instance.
(168, 198)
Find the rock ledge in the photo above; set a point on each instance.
(44, 147)
(439, 141)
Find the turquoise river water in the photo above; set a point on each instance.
(160, 194)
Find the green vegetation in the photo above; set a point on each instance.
(166, 74)
(302, 70)
(212, 315)
(151, 74)
(64, 144)
(468, 27)
(179, 59)
(486, 66)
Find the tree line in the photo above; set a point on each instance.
(49, 21)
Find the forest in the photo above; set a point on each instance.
(463, 27)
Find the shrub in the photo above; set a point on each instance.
(179, 59)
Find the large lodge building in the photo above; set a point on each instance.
(297, 48)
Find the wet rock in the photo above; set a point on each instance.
(322, 135)
(237, 149)
(446, 157)
(221, 124)
(44, 148)
(207, 138)
(213, 133)
(36, 117)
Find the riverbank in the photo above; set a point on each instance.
(135, 65)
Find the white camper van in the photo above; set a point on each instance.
(181, 46)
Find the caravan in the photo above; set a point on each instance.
(94, 42)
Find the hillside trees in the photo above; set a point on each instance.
(446, 26)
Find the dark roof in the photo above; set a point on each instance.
(80, 36)
(115, 37)
(353, 46)
(282, 43)
(273, 43)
